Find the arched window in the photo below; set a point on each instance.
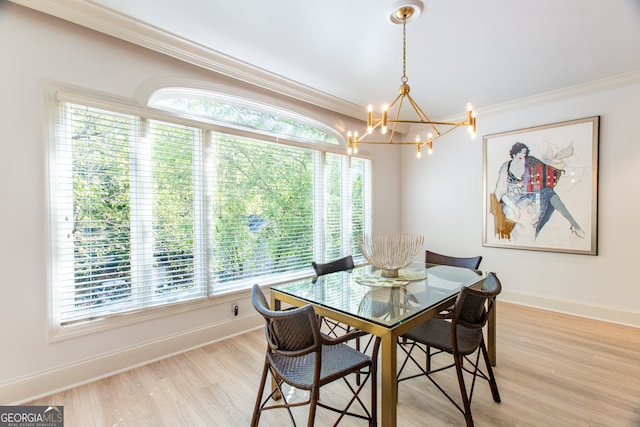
(234, 111)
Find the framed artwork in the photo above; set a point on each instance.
(541, 188)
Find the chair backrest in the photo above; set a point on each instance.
(436, 258)
(473, 306)
(341, 264)
(289, 332)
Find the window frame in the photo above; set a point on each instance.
(122, 105)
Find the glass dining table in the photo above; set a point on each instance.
(383, 307)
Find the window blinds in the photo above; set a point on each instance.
(262, 209)
(128, 223)
(148, 212)
(346, 206)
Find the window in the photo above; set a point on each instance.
(152, 210)
(224, 109)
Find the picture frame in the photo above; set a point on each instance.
(540, 187)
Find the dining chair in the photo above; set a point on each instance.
(458, 333)
(299, 355)
(465, 262)
(340, 264)
(454, 261)
(334, 328)
(436, 258)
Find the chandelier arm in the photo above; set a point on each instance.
(424, 122)
(454, 126)
(422, 115)
(421, 143)
(395, 120)
(416, 108)
(393, 132)
(398, 98)
(378, 122)
(374, 127)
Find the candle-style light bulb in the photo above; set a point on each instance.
(385, 109)
(473, 116)
(472, 125)
(369, 118)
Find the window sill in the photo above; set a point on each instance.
(223, 299)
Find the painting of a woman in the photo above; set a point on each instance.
(524, 198)
(540, 188)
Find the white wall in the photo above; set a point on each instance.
(442, 199)
(37, 49)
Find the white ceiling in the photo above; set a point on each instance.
(485, 52)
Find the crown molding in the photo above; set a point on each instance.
(107, 21)
(595, 86)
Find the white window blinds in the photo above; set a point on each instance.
(148, 212)
(360, 204)
(346, 206)
(262, 210)
(128, 223)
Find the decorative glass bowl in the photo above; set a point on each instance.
(390, 252)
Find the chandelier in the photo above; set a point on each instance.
(390, 117)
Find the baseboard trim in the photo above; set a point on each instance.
(575, 308)
(25, 389)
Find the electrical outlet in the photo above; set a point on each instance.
(234, 308)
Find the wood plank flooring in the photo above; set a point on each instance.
(552, 370)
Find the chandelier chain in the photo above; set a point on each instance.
(404, 78)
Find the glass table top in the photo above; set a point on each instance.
(360, 294)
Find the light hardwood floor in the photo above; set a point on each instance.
(552, 370)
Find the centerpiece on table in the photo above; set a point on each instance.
(390, 252)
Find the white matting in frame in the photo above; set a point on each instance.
(541, 188)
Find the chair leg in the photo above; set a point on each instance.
(428, 362)
(357, 348)
(492, 379)
(255, 419)
(374, 395)
(463, 390)
(313, 401)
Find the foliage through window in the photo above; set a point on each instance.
(234, 112)
(151, 212)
